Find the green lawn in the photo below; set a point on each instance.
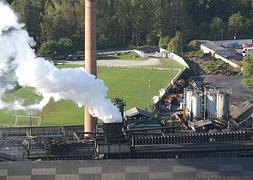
(130, 84)
(133, 84)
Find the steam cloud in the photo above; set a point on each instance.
(18, 59)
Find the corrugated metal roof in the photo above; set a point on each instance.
(135, 111)
(212, 45)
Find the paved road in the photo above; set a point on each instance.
(239, 93)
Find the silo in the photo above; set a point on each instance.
(196, 105)
(211, 104)
(222, 106)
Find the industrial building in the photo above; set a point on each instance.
(247, 49)
(190, 118)
(190, 121)
(199, 128)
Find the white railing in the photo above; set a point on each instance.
(139, 67)
(140, 53)
(167, 54)
(163, 91)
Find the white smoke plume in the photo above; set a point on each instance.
(18, 59)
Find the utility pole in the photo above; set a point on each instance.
(30, 122)
(222, 34)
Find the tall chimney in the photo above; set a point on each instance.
(90, 54)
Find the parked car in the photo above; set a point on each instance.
(79, 56)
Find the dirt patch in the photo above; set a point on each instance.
(123, 63)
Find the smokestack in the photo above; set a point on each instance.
(90, 54)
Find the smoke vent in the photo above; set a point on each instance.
(119, 103)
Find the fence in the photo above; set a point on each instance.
(139, 67)
(140, 53)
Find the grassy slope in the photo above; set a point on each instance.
(130, 84)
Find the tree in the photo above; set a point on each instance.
(48, 49)
(63, 18)
(176, 44)
(204, 31)
(30, 13)
(164, 41)
(194, 45)
(216, 26)
(152, 39)
(237, 24)
(9, 1)
(64, 46)
(124, 23)
(248, 72)
(54, 49)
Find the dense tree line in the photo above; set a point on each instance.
(248, 73)
(57, 25)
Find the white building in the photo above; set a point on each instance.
(247, 49)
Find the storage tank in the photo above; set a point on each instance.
(222, 106)
(211, 105)
(196, 105)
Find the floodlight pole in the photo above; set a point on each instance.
(149, 85)
(222, 35)
(30, 122)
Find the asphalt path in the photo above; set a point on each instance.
(239, 93)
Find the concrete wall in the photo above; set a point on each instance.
(208, 50)
(234, 65)
(168, 54)
(163, 54)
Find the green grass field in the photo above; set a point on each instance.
(130, 84)
(133, 84)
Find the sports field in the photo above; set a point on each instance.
(132, 85)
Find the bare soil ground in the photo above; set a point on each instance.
(133, 63)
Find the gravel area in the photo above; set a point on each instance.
(133, 63)
(239, 93)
